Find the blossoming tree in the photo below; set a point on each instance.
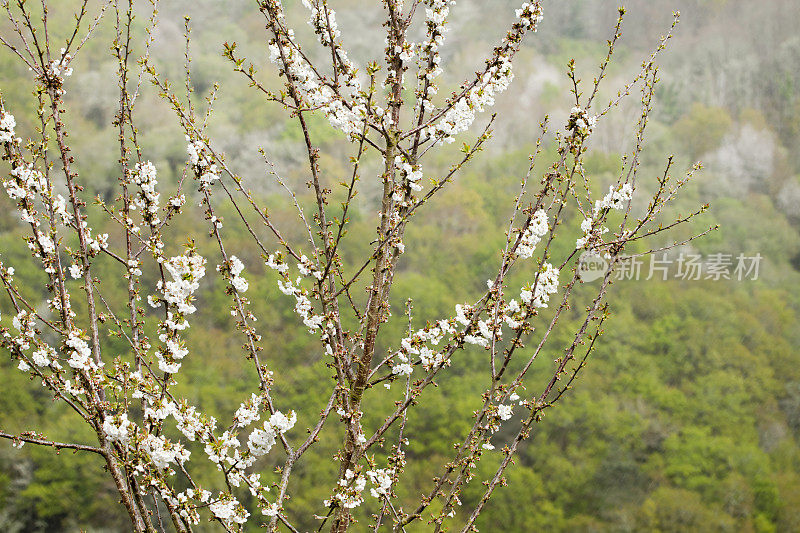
(148, 435)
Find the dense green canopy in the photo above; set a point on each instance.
(687, 417)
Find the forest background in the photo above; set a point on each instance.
(688, 415)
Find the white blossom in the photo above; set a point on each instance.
(7, 125)
(43, 356)
(147, 198)
(203, 162)
(261, 440)
(347, 115)
(348, 492)
(617, 198)
(163, 452)
(248, 412)
(282, 423)
(237, 281)
(546, 285)
(504, 412)
(186, 271)
(81, 355)
(537, 229)
(382, 479)
(228, 509)
(59, 68)
(117, 428)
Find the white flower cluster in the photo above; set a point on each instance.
(513, 314)
(228, 509)
(181, 502)
(186, 271)
(7, 125)
(59, 307)
(529, 14)
(276, 263)
(94, 245)
(395, 218)
(248, 411)
(616, 198)
(147, 199)
(537, 229)
(75, 391)
(323, 22)
(483, 337)
(487, 330)
(118, 428)
(581, 124)
(282, 423)
(60, 209)
(162, 452)
(344, 115)
(59, 68)
(156, 453)
(76, 271)
(493, 81)
(191, 423)
(482, 332)
(288, 287)
(45, 355)
(406, 52)
(436, 12)
(225, 452)
(546, 285)
(382, 479)
(177, 201)
(412, 179)
(415, 345)
(45, 244)
(25, 324)
(202, 162)
(170, 355)
(26, 183)
(502, 414)
(259, 443)
(269, 509)
(158, 409)
(306, 268)
(261, 440)
(328, 338)
(348, 493)
(133, 267)
(235, 268)
(462, 114)
(303, 305)
(81, 356)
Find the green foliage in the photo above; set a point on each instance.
(686, 419)
(701, 129)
